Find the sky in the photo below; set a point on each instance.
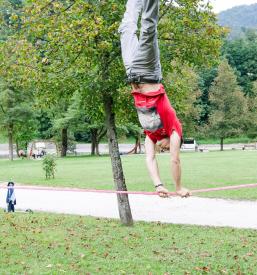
(220, 5)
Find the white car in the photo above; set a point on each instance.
(189, 144)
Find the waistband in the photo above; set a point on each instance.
(142, 79)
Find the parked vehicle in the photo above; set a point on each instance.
(189, 144)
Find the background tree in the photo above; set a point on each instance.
(15, 115)
(183, 90)
(206, 78)
(241, 55)
(252, 112)
(92, 106)
(16, 97)
(228, 105)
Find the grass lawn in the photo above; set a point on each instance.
(62, 244)
(200, 170)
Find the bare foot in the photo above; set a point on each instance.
(162, 192)
(183, 193)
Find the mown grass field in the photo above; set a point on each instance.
(51, 244)
(62, 244)
(200, 170)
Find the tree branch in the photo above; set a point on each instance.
(3, 109)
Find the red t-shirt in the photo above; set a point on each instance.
(156, 114)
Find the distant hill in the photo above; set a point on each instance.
(239, 18)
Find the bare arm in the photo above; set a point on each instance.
(151, 161)
(152, 166)
(175, 164)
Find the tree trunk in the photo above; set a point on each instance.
(221, 144)
(139, 144)
(136, 145)
(97, 148)
(64, 142)
(10, 141)
(137, 149)
(93, 141)
(100, 135)
(17, 147)
(118, 176)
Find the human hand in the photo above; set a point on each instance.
(162, 192)
(164, 143)
(183, 192)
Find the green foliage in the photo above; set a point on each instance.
(183, 91)
(228, 105)
(16, 98)
(16, 113)
(241, 54)
(67, 48)
(44, 124)
(189, 32)
(252, 112)
(86, 52)
(10, 11)
(49, 166)
(206, 78)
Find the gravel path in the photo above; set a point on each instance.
(193, 211)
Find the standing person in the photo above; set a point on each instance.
(141, 58)
(10, 198)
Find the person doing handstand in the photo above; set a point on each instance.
(141, 58)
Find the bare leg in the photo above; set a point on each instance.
(141, 56)
(128, 31)
(147, 56)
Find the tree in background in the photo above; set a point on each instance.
(241, 55)
(16, 115)
(127, 119)
(92, 106)
(183, 91)
(228, 116)
(206, 78)
(10, 21)
(252, 112)
(16, 97)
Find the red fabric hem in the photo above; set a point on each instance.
(167, 114)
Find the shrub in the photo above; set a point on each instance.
(49, 166)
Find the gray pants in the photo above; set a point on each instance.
(141, 56)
